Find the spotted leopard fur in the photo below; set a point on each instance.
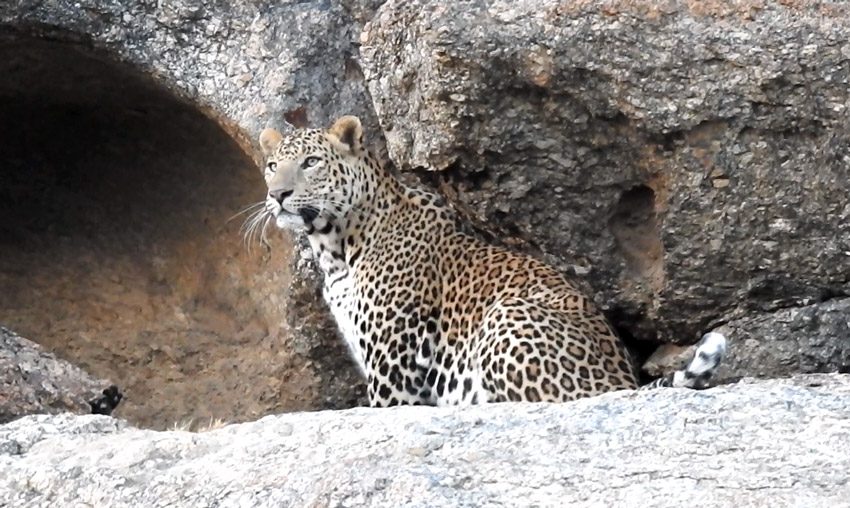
(431, 315)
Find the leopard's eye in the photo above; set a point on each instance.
(309, 162)
(272, 166)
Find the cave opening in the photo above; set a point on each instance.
(116, 252)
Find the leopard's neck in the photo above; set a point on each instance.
(339, 240)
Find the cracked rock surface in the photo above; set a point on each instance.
(809, 339)
(252, 64)
(774, 443)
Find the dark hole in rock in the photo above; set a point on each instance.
(115, 246)
(636, 231)
(639, 350)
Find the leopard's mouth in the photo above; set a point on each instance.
(286, 219)
(283, 218)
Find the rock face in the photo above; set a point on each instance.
(34, 381)
(690, 158)
(777, 443)
(253, 64)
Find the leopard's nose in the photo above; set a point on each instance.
(279, 194)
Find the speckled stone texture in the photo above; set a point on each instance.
(812, 338)
(689, 159)
(776, 443)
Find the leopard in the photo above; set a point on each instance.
(431, 313)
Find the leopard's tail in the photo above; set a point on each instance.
(698, 371)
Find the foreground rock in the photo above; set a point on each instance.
(777, 443)
(33, 381)
(692, 156)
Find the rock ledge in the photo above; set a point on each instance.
(756, 443)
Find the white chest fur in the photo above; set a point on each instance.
(339, 294)
(340, 298)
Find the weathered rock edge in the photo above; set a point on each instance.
(809, 339)
(757, 443)
(35, 381)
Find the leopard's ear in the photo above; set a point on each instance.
(269, 139)
(347, 134)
